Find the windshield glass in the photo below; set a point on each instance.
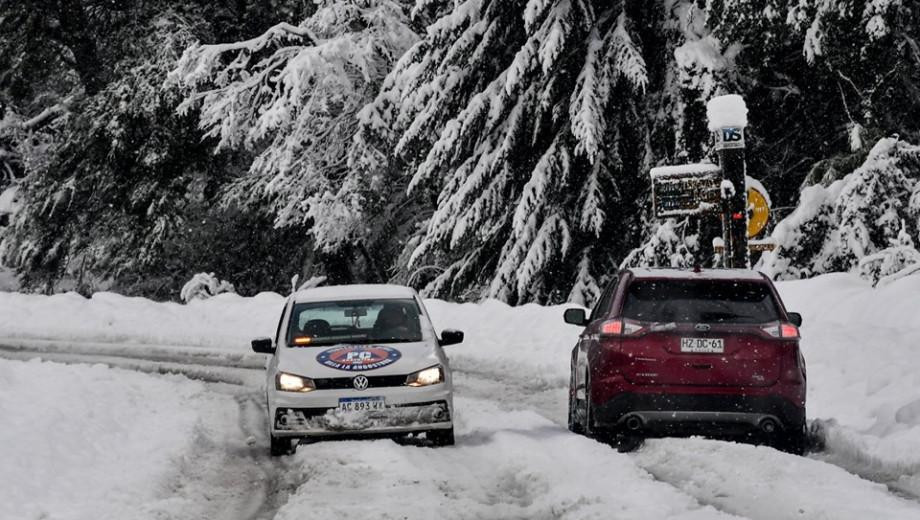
(354, 322)
(700, 301)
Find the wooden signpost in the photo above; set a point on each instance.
(724, 189)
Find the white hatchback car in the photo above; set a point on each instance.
(357, 360)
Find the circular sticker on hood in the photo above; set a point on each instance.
(356, 358)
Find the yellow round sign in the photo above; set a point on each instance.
(758, 212)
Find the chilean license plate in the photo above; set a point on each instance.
(702, 345)
(361, 404)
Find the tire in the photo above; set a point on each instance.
(793, 442)
(589, 408)
(627, 443)
(440, 438)
(281, 446)
(574, 425)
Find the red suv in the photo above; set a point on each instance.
(673, 352)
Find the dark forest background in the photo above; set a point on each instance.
(493, 148)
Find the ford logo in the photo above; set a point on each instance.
(702, 327)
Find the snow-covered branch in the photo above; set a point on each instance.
(293, 94)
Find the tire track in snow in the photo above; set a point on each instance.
(230, 474)
(548, 400)
(765, 484)
(198, 364)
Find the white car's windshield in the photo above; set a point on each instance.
(354, 322)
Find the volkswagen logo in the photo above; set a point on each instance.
(360, 383)
(702, 327)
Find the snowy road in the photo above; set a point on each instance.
(514, 458)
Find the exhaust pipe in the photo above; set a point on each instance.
(768, 426)
(633, 423)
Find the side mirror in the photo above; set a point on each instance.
(795, 318)
(450, 337)
(576, 317)
(263, 346)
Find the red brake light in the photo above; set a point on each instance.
(782, 330)
(612, 327)
(620, 327)
(788, 330)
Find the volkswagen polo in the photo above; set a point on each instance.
(357, 360)
(674, 352)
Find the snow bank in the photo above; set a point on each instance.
(224, 321)
(769, 484)
(861, 346)
(81, 442)
(529, 341)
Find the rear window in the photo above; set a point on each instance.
(354, 322)
(700, 301)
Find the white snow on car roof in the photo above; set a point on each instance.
(704, 274)
(353, 292)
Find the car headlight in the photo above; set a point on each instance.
(429, 376)
(291, 383)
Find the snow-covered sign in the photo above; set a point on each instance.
(758, 207)
(729, 138)
(727, 117)
(687, 189)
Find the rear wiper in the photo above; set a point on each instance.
(723, 316)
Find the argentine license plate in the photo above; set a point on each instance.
(702, 345)
(361, 404)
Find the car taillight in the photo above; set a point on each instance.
(620, 327)
(782, 331)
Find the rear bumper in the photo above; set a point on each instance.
(730, 414)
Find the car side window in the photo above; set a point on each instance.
(604, 302)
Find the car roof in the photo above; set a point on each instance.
(353, 292)
(701, 274)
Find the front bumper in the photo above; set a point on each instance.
(315, 414)
(318, 422)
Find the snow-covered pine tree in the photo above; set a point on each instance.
(824, 80)
(835, 227)
(671, 244)
(292, 95)
(532, 124)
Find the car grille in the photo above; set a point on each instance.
(343, 383)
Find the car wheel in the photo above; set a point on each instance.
(282, 446)
(627, 443)
(574, 425)
(588, 425)
(441, 437)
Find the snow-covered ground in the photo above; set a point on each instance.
(514, 458)
(90, 442)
